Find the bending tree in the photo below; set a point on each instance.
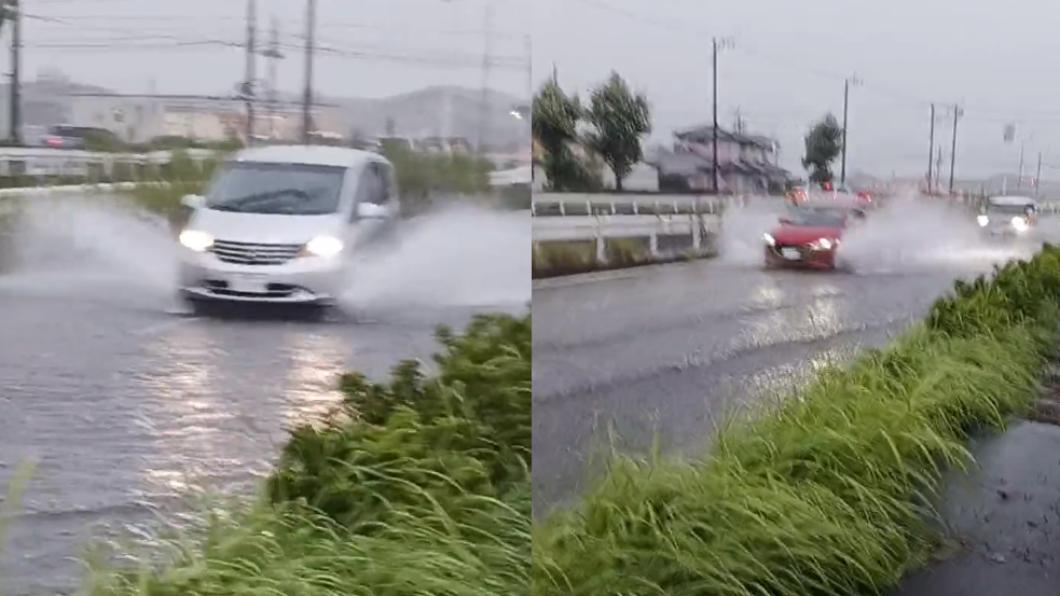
(554, 123)
(620, 119)
(823, 144)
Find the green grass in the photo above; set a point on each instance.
(416, 486)
(558, 258)
(830, 492)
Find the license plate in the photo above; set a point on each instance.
(246, 282)
(791, 254)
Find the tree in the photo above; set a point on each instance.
(823, 144)
(619, 118)
(555, 118)
(554, 125)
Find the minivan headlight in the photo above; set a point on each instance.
(196, 240)
(323, 246)
(983, 220)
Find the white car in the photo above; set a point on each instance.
(280, 224)
(1008, 216)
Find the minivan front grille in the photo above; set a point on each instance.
(252, 253)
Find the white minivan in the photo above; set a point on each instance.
(280, 224)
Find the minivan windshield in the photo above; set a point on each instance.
(275, 188)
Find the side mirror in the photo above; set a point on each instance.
(372, 211)
(193, 201)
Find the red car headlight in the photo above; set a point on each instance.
(824, 244)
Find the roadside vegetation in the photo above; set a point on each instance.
(420, 485)
(832, 490)
(424, 177)
(568, 257)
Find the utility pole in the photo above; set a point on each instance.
(957, 112)
(931, 147)
(714, 42)
(938, 165)
(274, 55)
(307, 99)
(1019, 180)
(528, 42)
(487, 62)
(847, 82)
(1038, 175)
(248, 85)
(13, 11)
(738, 123)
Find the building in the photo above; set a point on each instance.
(747, 164)
(141, 118)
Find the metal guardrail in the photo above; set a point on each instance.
(66, 189)
(584, 204)
(33, 161)
(669, 224)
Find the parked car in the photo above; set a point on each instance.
(809, 235)
(66, 136)
(280, 224)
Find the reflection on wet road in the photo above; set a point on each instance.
(667, 353)
(130, 406)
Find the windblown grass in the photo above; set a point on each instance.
(416, 486)
(831, 492)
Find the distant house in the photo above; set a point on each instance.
(746, 163)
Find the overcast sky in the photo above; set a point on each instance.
(389, 46)
(790, 57)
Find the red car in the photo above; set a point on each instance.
(810, 234)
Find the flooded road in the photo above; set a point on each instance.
(667, 353)
(129, 406)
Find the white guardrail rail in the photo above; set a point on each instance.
(690, 220)
(73, 163)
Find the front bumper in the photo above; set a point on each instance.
(1005, 232)
(308, 280)
(806, 258)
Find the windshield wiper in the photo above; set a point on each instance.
(241, 203)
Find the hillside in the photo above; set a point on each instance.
(438, 111)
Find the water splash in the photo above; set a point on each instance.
(89, 244)
(462, 256)
(909, 232)
(742, 229)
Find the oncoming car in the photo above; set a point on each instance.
(1008, 216)
(810, 234)
(280, 224)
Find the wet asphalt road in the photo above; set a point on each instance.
(130, 406)
(666, 353)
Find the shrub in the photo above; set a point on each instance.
(830, 492)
